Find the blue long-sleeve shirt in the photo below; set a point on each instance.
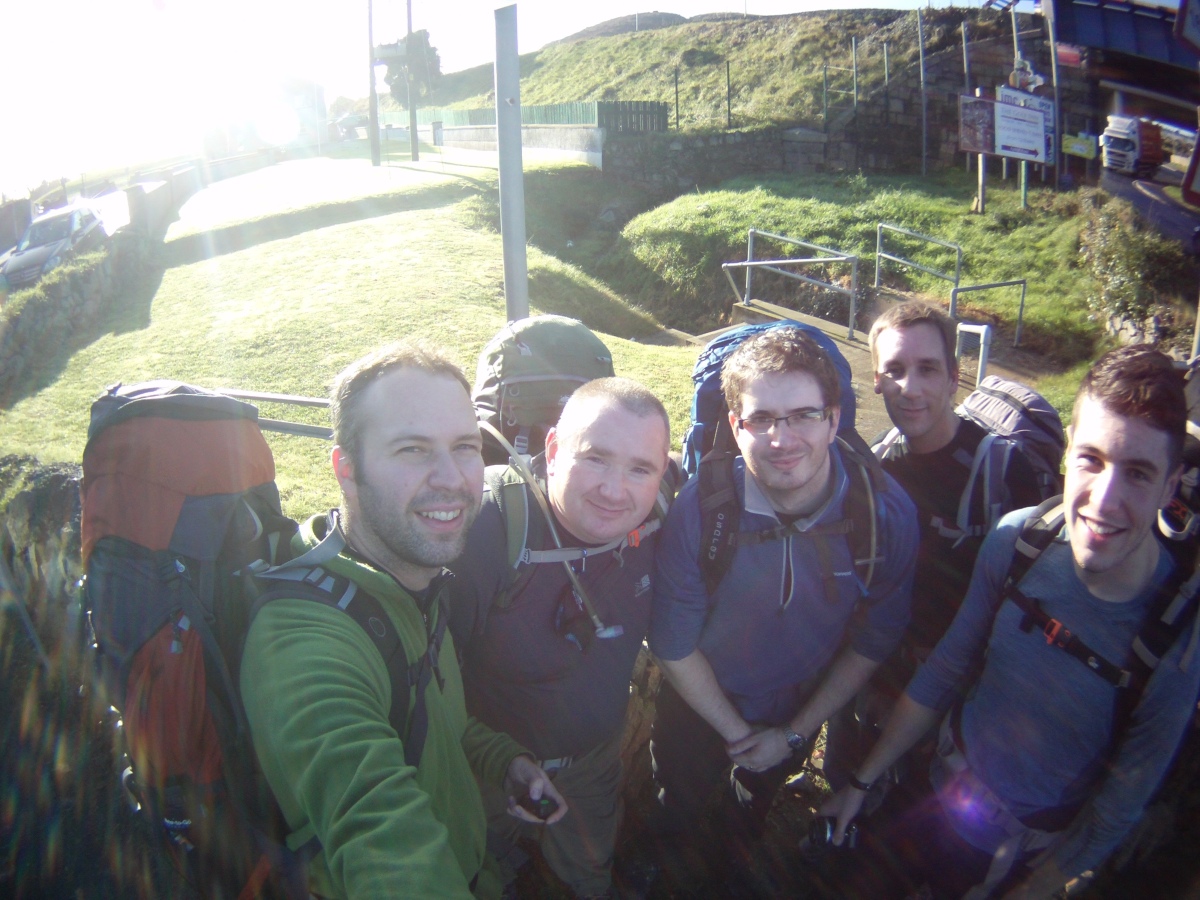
(1039, 724)
(769, 628)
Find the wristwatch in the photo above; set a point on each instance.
(798, 743)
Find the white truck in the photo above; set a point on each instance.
(1132, 145)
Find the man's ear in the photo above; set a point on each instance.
(343, 470)
(954, 373)
(835, 417)
(878, 383)
(551, 448)
(733, 421)
(1171, 486)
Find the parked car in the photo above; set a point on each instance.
(50, 239)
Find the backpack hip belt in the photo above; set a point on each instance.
(963, 782)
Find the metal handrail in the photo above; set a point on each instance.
(772, 265)
(879, 254)
(279, 425)
(983, 287)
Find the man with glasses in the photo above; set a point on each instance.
(789, 634)
(549, 645)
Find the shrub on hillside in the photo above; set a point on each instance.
(1140, 277)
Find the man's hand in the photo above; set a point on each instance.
(761, 750)
(525, 778)
(844, 806)
(1045, 881)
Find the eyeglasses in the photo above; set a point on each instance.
(761, 423)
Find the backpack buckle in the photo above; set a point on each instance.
(1056, 633)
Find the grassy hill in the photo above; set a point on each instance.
(276, 280)
(775, 61)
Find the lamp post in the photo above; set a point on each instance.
(372, 97)
(412, 102)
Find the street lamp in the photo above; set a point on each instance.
(412, 103)
(372, 97)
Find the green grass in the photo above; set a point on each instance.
(775, 63)
(289, 299)
(670, 256)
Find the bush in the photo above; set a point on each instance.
(1137, 273)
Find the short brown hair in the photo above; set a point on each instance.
(624, 392)
(917, 312)
(353, 381)
(778, 351)
(1139, 382)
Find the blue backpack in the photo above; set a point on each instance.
(708, 403)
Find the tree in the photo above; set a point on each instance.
(422, 58)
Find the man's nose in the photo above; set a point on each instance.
(444, 471)
(1105, 489)
(611, 483)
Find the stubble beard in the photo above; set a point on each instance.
(398, 531)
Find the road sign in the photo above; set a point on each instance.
(1043, 104)
(1079, 145)
(1001, 129)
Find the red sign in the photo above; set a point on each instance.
(1069, 55)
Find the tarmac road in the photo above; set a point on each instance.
(1163, 213)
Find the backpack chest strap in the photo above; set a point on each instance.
(340, 592)
(1058, 635)
(571, 554)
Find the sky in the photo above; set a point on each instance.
(91, 84)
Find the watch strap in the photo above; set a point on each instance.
(798, 743)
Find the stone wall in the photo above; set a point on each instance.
(882, 135)
(678, 162)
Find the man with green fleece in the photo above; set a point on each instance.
(316, 688)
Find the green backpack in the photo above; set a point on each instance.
(526, 374)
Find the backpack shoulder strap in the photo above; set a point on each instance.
(1038, 532)
(989, 465)
(890, 445)
(720, 513)
(337, 591)
(1171, 610)
(862, 506)
(511, 496)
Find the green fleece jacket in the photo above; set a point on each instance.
(317, 697)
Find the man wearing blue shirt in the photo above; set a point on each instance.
(791, 632)
(1034, 759)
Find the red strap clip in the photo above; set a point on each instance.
(634, 537)
(1056, 633)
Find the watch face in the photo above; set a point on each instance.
(794, 740)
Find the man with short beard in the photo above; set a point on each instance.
(317, 690)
